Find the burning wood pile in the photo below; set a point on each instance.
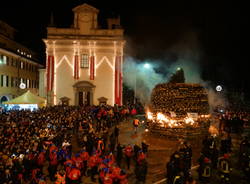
(177, 127)
(179, 98)
(179, 110)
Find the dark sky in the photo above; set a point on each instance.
(154, 28)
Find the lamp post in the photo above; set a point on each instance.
(146, 66)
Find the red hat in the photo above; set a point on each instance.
(226, 156)
(206, 160)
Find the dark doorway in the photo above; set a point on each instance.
(87, 99)
(81, 98)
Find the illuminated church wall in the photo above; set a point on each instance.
(84, 63)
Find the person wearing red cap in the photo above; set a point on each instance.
(128, 153)
(224, 167)
(92, 163)
(116, 173)
(41, 159)
(52, 165)
(108, 177)
(75, 176)
(85, 156)
(141, 156)
(205, 170)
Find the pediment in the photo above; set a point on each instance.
(83, 84)
(102, 99)
(85, 8)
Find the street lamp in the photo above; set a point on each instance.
(146, 66)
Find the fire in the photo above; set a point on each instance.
(166, 121)
(150, 115)
(189, 121)
(213, 130)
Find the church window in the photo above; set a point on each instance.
(84, 61)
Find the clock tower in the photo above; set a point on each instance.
(85, 18)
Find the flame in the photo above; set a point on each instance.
(166, 121)
(150, 115)
(213, 130)
(189, 121)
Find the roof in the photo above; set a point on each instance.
(85, 8)
(27, 98)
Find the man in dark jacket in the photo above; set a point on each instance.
(141, 171)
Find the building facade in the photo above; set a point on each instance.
(18, 64)
(84, 62)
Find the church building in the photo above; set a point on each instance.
(84, 62)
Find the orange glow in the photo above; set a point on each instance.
(166, 121)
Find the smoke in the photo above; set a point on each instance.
(141, 77)
(215, 99)
(187, 54)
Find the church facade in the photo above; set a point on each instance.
(84, 62)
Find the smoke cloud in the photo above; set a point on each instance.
(187, 55)
(141, 77)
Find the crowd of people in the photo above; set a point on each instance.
(214, 162)
(36, 147)
(233, 121)
(179, 98)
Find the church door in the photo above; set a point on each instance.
(80, 98)
(84, 92)
(87, 97)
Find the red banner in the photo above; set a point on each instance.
(92, 67)
(76, 67)
(118, 80)
(50, 73)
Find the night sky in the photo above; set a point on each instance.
(155, 30)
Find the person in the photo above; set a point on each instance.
(170, 171)
(144, 147)
(136, 124)
(141, 171)
(136, 149)
(52, 165)
(224, 167)
(92, 163)
(74, 176)
(141, 156)
(128, 150)
(112, 141)
(60, 177)
(85, 156)
(119, 154)
(116, 133)
(204, 170)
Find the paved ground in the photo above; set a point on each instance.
(160, 149)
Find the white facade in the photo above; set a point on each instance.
(84, 63)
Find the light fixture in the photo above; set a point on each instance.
(218, 88)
